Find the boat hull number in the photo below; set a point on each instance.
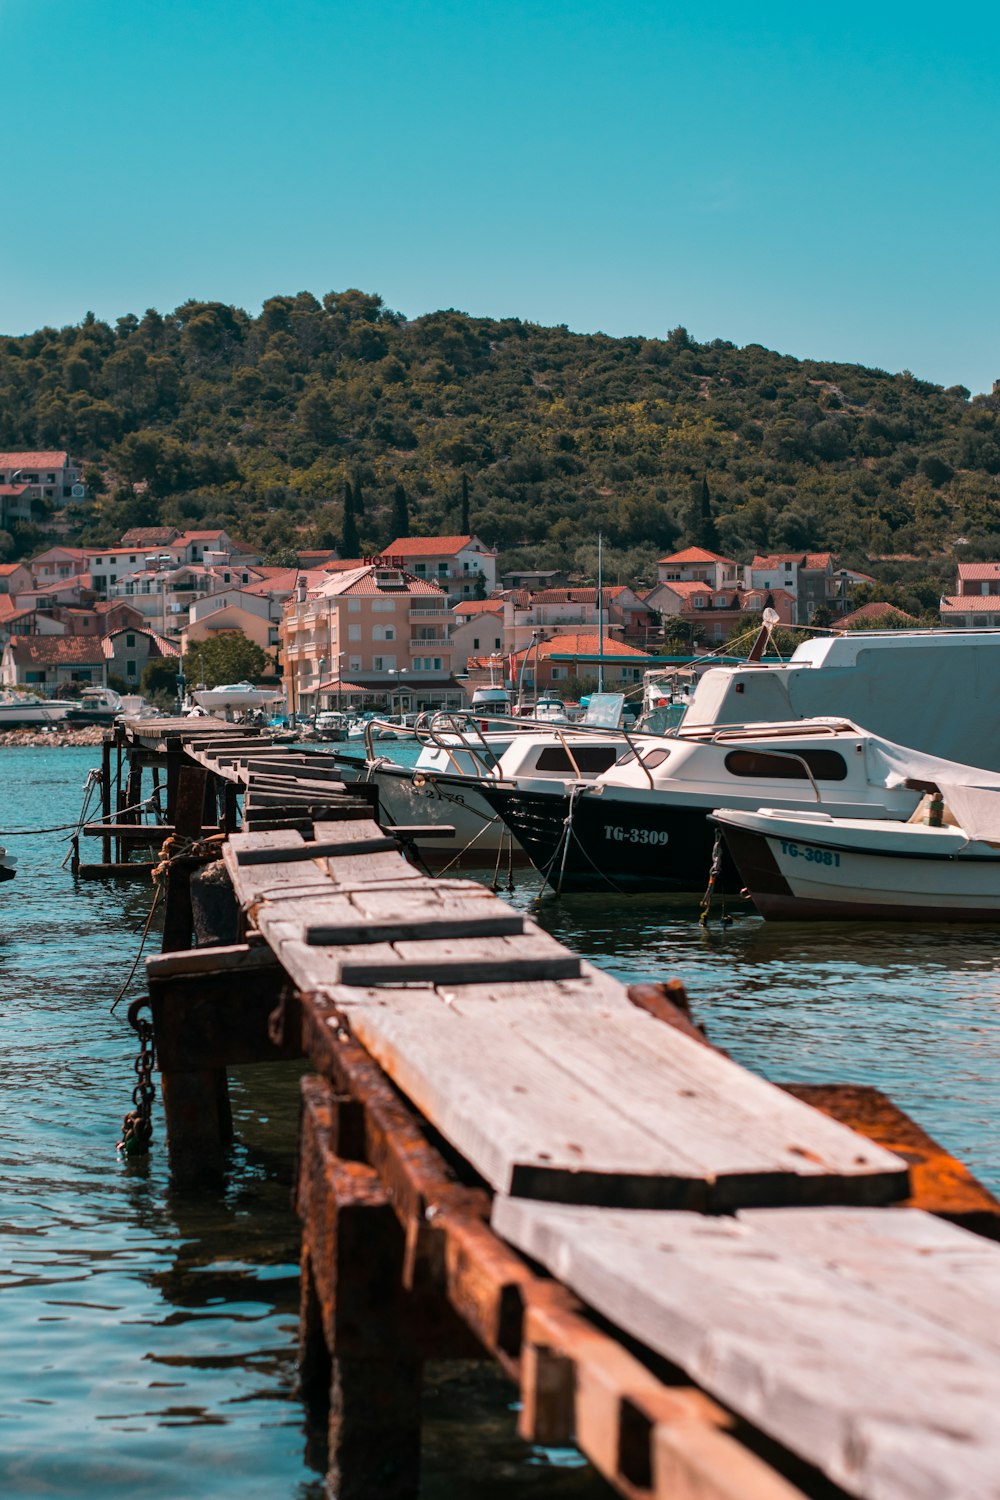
(810, 853)
(619, 835)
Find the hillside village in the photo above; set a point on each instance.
(419, 625)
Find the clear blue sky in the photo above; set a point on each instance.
(821, 179)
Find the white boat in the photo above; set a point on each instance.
(549, 710)
(643, 825)
(28, 711)
(8, 865)
(237, 695)
(811, 867)
(96, 705)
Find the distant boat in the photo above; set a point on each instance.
(98, 705)
(27, 711)
(7, 865)
(237, 695)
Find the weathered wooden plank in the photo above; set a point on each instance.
(913, 1259)
(417, 916)
(317, 849)
(236, 958)
(407, 913)
(254, 883)
(793, 1325)
(734, 1124)
(532, 1129)
(529, 955)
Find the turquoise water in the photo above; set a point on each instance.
(149, 1340)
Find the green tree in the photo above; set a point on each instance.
(701, 522)
(231, 657)
(159, 677)
(400, 512)
(464, 528)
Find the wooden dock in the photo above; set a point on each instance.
(718, 1288)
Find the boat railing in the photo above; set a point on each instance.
(760, 731)
(559, 731)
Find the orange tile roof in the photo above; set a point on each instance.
(695, 555)
(479, 607)
(583, 643)
(686, 586)
(979, 571)
(79, 650)
(876, 611)
(46, 460)
(812, 560)
(965, 604)
(431, 546)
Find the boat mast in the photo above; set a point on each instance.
(600, 613)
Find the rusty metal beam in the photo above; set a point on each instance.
(940, 1184)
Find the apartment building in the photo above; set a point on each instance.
(373, 633)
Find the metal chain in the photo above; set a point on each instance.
(137, 1126)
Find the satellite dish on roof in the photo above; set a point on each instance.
(770, 616)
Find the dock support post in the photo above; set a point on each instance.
(354, 1324)
(106, 797)
(189, 801)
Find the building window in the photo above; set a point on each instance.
(475, 643)
(354, 664)
(130, 669)
(130, 641)
(354, 606)
(437, 663)
(354, 632)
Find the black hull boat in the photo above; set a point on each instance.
(588, 843)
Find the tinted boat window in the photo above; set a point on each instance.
(651, 758)
(786, 765)
(588, 758)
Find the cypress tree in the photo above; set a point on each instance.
(359, 499)
(400, 512)
(701, 521)
(350, 544)
(465, 505)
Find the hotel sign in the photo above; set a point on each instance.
(383, 561)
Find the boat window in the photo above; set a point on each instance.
(588, 758)
(649, 758)
(786, 765)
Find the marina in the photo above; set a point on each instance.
(282, 861)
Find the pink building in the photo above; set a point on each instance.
(374, 633)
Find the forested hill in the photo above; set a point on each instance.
(207, 415)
